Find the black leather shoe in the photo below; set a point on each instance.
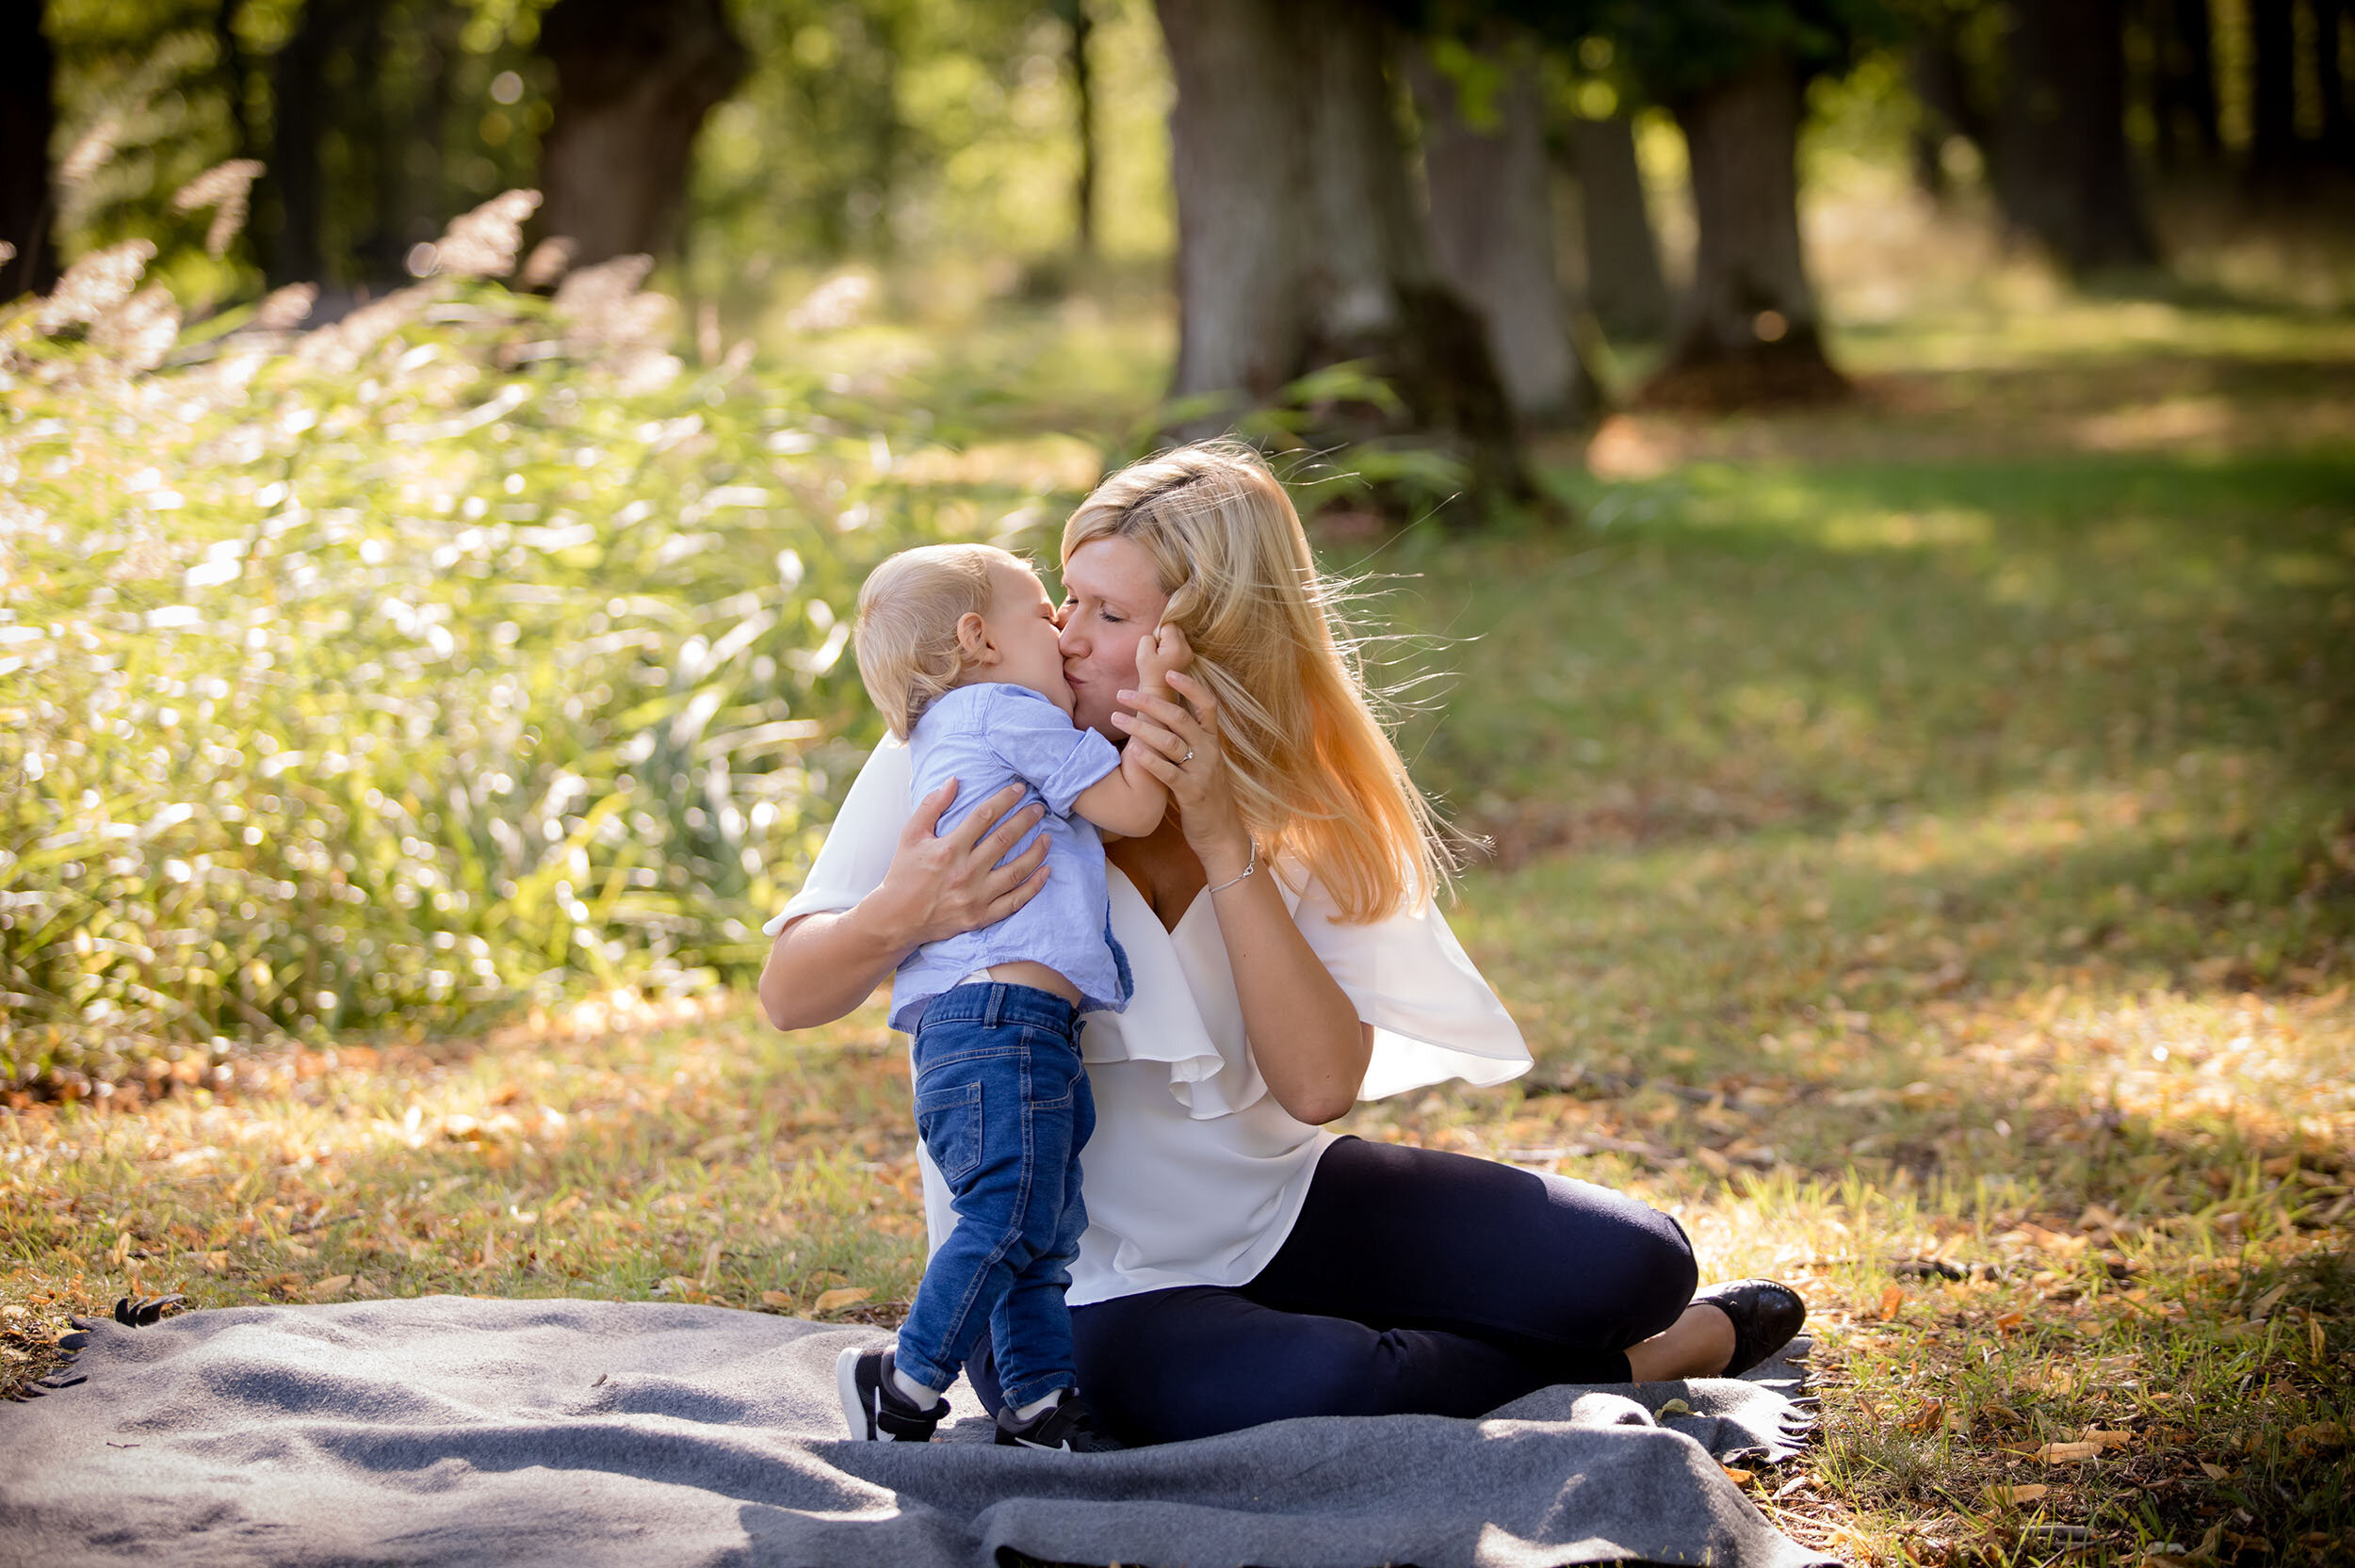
(1765, 1315)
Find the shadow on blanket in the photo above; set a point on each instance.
(447, 1427)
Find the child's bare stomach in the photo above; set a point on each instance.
(1037, 976)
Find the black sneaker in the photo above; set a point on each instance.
(1068, 1425)
(874, 1405)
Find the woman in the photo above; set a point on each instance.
(1241, 1264)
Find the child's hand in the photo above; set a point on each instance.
(1157, 655)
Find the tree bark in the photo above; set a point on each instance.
(1748, 329)
(1299, 244)
(28, 118)
(2058, 157)
(1239, 165)
(2273, 149)
(1083, 91)
(1625, 287)
(290, 230)
(1491, 205)
(1941, 84)
(2182, 36)
(633, 82)
(2338, 114)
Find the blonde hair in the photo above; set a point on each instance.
(906, 631)
(1315, 771)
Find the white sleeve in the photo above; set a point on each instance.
(1433, 1016)
(864, 835)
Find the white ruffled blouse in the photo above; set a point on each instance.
(1195, 1174)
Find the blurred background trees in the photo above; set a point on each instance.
(1505, 212)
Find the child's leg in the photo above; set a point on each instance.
(973, 1094)
(1031, 1331)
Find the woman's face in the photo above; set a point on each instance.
(1112, 597)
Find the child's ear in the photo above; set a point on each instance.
(973, 639)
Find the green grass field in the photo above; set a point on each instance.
(1923, 859)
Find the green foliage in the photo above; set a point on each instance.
(463, 646)
(433, 105)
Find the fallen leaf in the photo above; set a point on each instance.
(1716, 1163)
(2064, 1453)
(1927, 1418)
(2009, 1322)
(2214, 1472)
(833, 1301)
(2102, 1437)
(778, 1298)
(2016, 1496)
(1891, 1298)
(328, 1286)
(1789, 1487)
(1674, 1407)
(2267, 1302)
(1738, 1475)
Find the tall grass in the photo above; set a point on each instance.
(468, 643)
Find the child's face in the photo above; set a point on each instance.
(1022, 645)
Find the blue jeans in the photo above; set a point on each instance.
(1003, 1106)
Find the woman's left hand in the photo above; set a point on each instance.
(1183, 752)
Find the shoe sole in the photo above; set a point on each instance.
(854, 1407)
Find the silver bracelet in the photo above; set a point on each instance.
(1248, 868)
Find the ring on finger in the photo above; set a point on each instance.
(1186, 758)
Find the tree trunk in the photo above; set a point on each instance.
(1240, 168)
(1748, 329)
(1941, 84)
(2273, 149)
(633, 82)
(2183, 99)
(28, 118)
(290, 230)
(1083, 92)
(1625, 287)
(1298, 241)
(2059, 158)
(1492, 204)
(2338, 114)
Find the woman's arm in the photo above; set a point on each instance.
(823, 966)
(1311, 1048)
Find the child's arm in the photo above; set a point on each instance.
(1131, 801)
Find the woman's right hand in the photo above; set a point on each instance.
(942, 885)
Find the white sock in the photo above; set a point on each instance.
(1025, 1412)
(914, 1392)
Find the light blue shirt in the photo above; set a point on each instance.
(986, 736)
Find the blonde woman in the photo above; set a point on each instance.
(1241, 1264)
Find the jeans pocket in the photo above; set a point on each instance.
(950, 1121)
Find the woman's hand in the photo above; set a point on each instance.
(1182, 750)
(942, 885)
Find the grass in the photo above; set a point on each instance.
(1924, 865)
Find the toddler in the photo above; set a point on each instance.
(958, 647)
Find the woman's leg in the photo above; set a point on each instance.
(1197, 1361)
(1414, 1282)
(1563, 1273)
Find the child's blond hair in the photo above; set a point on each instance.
(906, 630)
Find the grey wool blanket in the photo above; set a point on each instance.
(452, 1430)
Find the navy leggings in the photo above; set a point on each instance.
(1415, 1282)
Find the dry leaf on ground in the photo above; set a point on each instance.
(2064, 1453)
(2016, 1496)
(835, 1300)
